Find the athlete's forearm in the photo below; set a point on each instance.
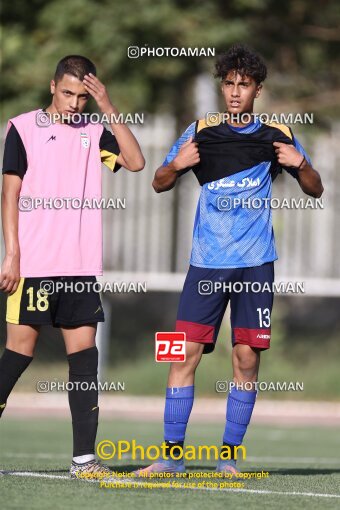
(310, 180)
(10, 214)
(130, 156)
(165, 178)
(10, 268)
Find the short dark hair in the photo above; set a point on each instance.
(76, 65)
(242, 59)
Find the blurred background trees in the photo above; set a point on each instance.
(300, 41)
(298, 38)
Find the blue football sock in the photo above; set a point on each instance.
(178, 405)
(239, 410)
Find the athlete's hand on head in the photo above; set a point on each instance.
(188, 156)
(10, 274)
(287, 155)
(98, 91)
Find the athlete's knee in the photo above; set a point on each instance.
(21, 346)
(246, 359)
(84, 363)
(194, 352)
(22, 338)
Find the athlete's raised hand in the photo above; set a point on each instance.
(130, 156)
(287, 155)
(98, 91)
(187, 157)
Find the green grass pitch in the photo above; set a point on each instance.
(303, 463)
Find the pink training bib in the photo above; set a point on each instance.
(63, 163)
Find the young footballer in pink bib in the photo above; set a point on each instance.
(52, 165)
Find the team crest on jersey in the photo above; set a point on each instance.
(85, 141)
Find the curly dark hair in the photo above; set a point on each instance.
(242, 59)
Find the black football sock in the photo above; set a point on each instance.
(12, 365)
(83, 368)
(229, 450)
(174, 450)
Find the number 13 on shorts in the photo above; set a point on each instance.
(264, 317)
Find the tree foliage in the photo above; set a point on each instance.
(298, 38)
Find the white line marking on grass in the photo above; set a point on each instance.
(295, 460)
(281, 493)
(38, 455)
(250, 491)
(37, 475)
